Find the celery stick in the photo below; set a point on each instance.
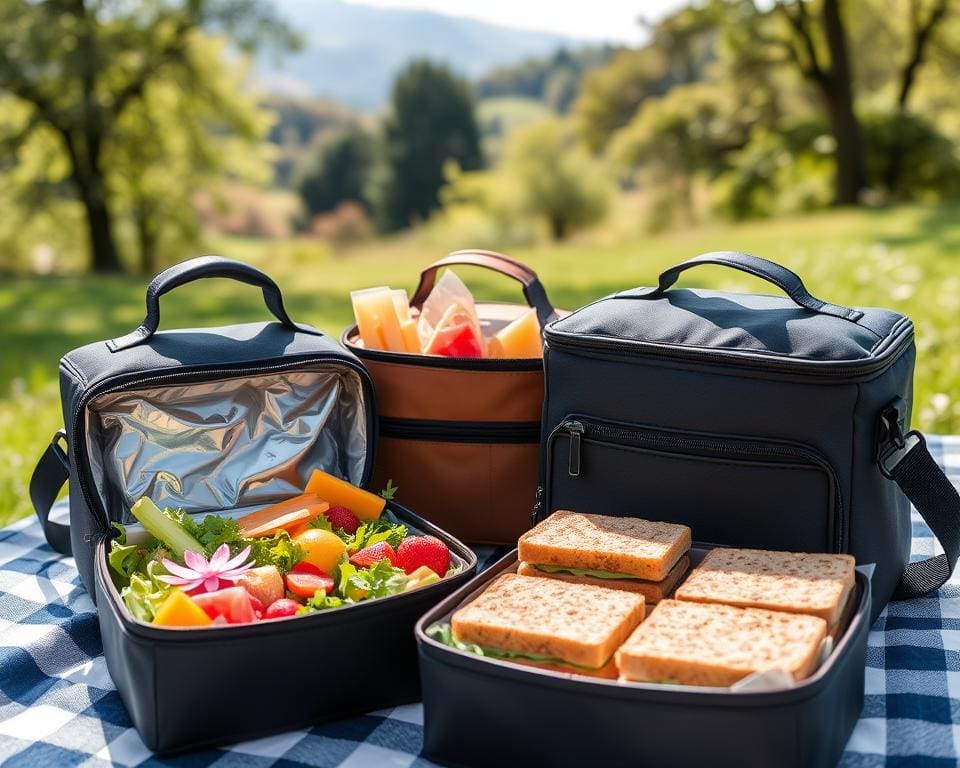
(164, 528)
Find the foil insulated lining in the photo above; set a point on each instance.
(219, 445)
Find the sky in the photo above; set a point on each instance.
(595, 20)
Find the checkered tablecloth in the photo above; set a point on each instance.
(58, 706)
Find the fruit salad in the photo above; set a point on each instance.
(331, 546)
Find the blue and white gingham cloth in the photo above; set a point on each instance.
(58, 706)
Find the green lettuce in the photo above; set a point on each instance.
(442, 632)
(321, 602)
(585, 572)
(379, 580)
(145, 593)
(373, 532)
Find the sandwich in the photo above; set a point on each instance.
(627, 553)
(573, 628)
(717, 645)
(796, 582)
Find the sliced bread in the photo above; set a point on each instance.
(796, 582)
(641, 548)
(717, 645)
(578, 623)
(652, 591)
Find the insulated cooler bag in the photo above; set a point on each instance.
(461, 436)
(216, 420)
(777, 422)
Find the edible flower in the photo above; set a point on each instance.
(205, 575)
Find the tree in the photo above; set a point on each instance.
(79, 65)
(555, 176)
(340, 171)
(431, 121)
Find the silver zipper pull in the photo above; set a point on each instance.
(575, 429)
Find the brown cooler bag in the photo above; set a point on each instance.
(460, 436)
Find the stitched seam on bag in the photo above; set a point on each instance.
(532, 372)
(894, 330)
(845, 544)
(73, 370)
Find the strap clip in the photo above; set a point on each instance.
(59, 451)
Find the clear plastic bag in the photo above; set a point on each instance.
(448, 323)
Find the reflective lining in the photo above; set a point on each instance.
(218, 445)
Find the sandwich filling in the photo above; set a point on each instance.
(442, 632)
(585, 572)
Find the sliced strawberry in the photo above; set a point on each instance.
(417, 551)
(374, 554)
(280, 608)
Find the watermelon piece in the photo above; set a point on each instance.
(232, 604)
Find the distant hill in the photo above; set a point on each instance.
(352, 52)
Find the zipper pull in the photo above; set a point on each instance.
(537, 505)
(575, 429)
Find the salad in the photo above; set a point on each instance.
(331, 546)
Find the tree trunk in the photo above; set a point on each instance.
(104, 257)
(558, 227)
(146, 243)
(837, 86)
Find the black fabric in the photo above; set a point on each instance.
(936, 499)
(49, 476)
(755, 419)
(198, 269)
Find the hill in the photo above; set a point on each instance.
(352, 51)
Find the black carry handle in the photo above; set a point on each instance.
(51, 472)
(533, 290)
(789, 282)
(197, 269)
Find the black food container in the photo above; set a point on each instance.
(480, 711)
(192, 688)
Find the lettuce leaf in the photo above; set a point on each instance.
(379, 580)
(374, 531)
(320, 602)
(144, 594)
(585, 572)
(442, 632)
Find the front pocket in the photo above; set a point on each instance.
(731, 490)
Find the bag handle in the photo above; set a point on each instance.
(905, 458)
(533, 290)
(51, 472)
(200, 268)
(786, 280)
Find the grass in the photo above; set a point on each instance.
(906, 258)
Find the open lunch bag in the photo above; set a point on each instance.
(219, 420)
(461, 435)
(772, 422)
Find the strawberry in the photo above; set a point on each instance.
(416, 551)
(374, 554)
(341, 517)
(280, 608)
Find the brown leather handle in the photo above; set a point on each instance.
(533, 289)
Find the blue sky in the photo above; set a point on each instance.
(595, 20)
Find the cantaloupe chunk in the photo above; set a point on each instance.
(178, 610)
(521, 338)
(298, 509)
(375, 308)
(340, 493)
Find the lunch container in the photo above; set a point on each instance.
(461, 436)
(227, 420)
(480, 711)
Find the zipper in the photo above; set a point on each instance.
(579, 429)
(134, 381)
(833, 369)
(496, 432)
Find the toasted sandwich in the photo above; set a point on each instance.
(718, 645)
(625, 553)
(796, 582)
(574, 628)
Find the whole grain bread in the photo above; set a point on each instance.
(796, 582)
(652, 591)
(717, 645)
(578, 623)
(641, 548)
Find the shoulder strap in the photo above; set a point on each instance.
(911, 466)
(51, 472)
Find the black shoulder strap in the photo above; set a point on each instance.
(51, 472)
(911, 466)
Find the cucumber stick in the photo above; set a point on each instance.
(164, 528)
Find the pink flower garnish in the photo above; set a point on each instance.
(207, 575)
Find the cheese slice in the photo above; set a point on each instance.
(377, 320)
(521, 338)
(340, 493)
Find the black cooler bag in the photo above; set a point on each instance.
(777, 422)
(222, 420)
